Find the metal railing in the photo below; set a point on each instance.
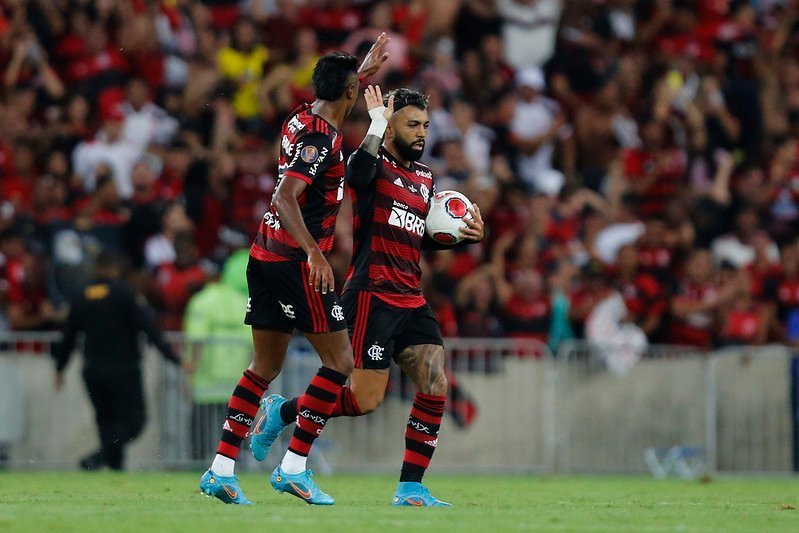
(513, 406)
(677, 411)
(484, 428)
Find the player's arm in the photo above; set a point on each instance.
(311, 160)
(142, 317)
(364, 162)
(474, 231)
(63, 351)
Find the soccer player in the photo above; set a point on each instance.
(290, 281)
(387, 314)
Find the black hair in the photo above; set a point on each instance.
(405, 97)
(107, 260)
(331, 73)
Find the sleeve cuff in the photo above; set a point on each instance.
(303, 177)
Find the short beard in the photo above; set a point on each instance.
(406, 152)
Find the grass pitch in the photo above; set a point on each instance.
(151, 502)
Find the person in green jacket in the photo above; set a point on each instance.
(218, 344)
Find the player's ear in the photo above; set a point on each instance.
(352, 91)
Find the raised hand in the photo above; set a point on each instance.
(374, 101)
(376, 56)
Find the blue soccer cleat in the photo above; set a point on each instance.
(268, 426)
(225, 489)
(413, 494)
(300, 485)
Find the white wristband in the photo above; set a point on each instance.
(379, 122)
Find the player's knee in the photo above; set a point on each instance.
(344, 365)
(369, 403)
(341, 362)
(265, 368)
(437, 384)
(436, 379)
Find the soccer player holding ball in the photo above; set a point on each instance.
(387, 314)
(290, 281)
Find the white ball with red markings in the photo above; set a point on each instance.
(445, 217)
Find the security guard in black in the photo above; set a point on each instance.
(109, 316)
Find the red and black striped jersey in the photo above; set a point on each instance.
(390, 209)
(310, 151)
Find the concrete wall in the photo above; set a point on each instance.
(58, 427)
(601, 422)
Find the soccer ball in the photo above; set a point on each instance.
(445, 216)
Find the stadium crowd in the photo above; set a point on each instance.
(647, 148)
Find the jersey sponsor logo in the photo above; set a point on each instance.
(418, 426)
(425, 192)
(398, 183)
(401, 218)
(271, 220)
(319, 159)
(375, 352)
(288, 310)
(411, 187)
(249, 305)
(295, 124)
(288, 147)
(309, 154)
(337, 312)
(424, 173)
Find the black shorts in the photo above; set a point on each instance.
(281, 299)
(380, 331)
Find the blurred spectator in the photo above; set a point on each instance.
(538, 124)
(380, 20)
(109, 148)
(214, 320)
(177, 281)
(528, 311)
(643, 295)
(746, 321)
(146, 206)
(479, 303)
(528, 30)
(655, 171)
(737, 247)
(785, 292)
(160, 248)
(625, 228)
(477, 139)
(242, 63)
(145, 122)
(697, 301)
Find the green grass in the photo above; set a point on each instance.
(150, 502)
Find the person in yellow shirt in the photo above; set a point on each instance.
(242, 62)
